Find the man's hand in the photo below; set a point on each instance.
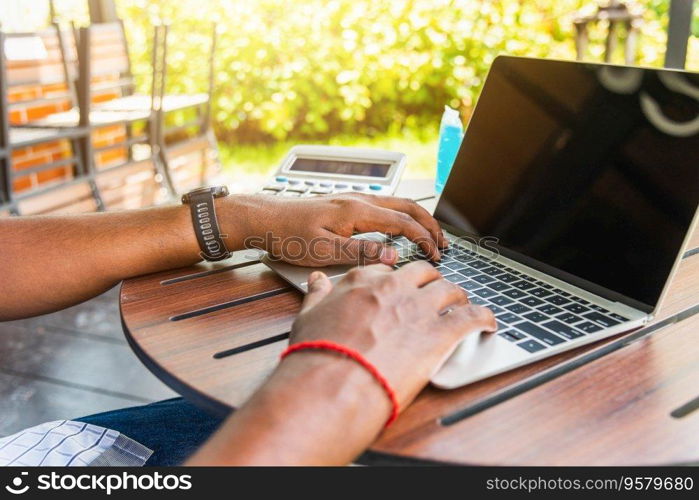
(405, 322)
(80, 256)
(316, 231)
(322, 408)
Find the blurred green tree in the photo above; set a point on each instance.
(313, 69)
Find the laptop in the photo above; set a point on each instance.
(567, 209)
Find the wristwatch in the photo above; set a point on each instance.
(201, 206)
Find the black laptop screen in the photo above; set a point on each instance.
(588, 169)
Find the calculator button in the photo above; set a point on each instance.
(375, 187)
(273, 187)
(320, 190)
(358, 187)
(310, 183)
(341, 186)
(326, 184)
(294, 181)
(281, 178)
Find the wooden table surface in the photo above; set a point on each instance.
(214, 331)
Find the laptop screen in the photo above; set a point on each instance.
(581, 170)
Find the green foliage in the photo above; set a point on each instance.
(312, 69)
(255, 160)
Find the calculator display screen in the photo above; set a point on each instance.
(341, 167)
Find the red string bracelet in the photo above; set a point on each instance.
(354, 355)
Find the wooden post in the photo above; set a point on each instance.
(580, 40)
(102, 11)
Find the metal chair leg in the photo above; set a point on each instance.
(86, 167)
(211, 137)
(7, 198)
(162, 166)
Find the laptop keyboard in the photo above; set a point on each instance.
(530, 313)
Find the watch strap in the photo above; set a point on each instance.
(205, 222)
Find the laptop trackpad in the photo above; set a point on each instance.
(479, 355)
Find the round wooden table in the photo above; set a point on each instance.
(214, 331)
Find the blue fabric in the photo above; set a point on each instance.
(173, 428)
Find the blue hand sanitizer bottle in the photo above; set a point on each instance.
(451, 131)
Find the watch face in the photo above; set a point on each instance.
(216, 192)
(202, 190)
(220, 191)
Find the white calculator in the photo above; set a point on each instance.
(314, 170)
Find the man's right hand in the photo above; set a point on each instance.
(405, 322)
(321, 408)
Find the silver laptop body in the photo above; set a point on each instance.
(568, 207)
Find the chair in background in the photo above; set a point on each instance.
(4, 166)
(76, 196)
(4, 139)
(61, 111)
(130, 184)
(44, 170)
(177, 144)
(615, 14)
(181, 146)
(136, 147)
